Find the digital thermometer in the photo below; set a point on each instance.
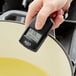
(32, 38)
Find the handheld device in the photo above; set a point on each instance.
(32, 38)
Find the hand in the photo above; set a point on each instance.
(44, 8)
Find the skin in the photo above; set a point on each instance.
(44, 8)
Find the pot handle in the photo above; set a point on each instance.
(5, 15)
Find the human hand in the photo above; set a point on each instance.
(44, 8)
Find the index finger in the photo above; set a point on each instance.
(34, 7)
(43, 15)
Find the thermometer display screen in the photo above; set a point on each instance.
(33, 35)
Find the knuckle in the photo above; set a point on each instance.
(51, 5)
(42, 15)
(30, 6)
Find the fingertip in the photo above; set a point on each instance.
(38, 25)
(40, 21)
(28, 18)
(27, 22)
(58, 21)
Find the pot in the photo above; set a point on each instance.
(16, 60)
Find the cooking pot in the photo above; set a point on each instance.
(16, 60)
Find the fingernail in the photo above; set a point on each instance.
(38, 25)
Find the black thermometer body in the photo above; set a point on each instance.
(32, 38)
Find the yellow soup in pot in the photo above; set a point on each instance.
(15, 67)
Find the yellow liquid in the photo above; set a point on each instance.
(15, 67)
